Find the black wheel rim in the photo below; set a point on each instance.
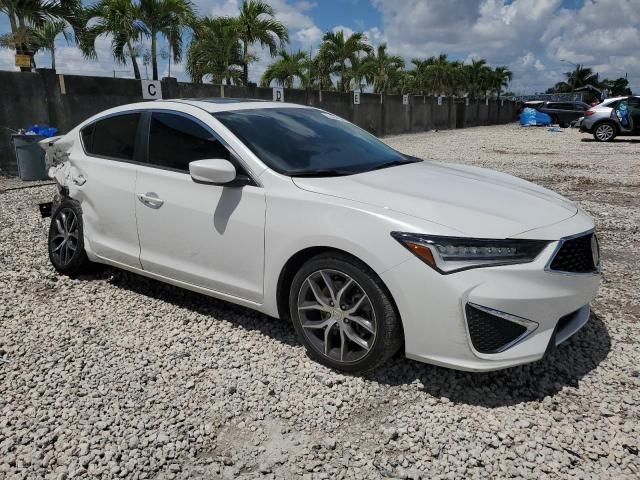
(64, 241)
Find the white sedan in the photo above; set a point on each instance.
(297, 213)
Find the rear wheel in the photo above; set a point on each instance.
(66, 239)
(343, 314)
(604, 132)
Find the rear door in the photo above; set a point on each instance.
(106, 187)
(211, 236)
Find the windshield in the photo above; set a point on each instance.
(304, 141)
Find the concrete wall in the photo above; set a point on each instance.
(63, 101)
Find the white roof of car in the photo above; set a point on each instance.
(229, 104)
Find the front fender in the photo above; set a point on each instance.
(304, 220)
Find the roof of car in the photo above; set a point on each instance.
(229, 104)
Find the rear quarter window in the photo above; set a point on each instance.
(112, 137)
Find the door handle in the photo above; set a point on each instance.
(150, 199)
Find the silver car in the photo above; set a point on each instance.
(613, 117)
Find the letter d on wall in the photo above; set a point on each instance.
(151, 89)
(278, 94)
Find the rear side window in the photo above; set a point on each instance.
(175, 140)
(113, 137)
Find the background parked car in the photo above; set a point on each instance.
(613, 117)
(563, 113)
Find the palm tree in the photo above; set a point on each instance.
(286, 69)
(477, 77)
(340, 50)
(356, 74)
(582, 76)
(167, 18)
(383, 70)
(119, 19)
(420, 76)
(215, 51)
(45, 37)
(444, 76)
(24, 15)
(320, 69)
(501, 76)
(257, 24)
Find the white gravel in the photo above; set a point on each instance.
(116, 376)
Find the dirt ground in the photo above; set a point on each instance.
(112, 375)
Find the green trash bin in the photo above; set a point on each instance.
(29, 157)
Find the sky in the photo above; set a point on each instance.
(537, 39)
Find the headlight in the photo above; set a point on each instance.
(452, 254)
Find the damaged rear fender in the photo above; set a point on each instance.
(57, 160)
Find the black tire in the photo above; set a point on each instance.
(388, 335)
(563, 124)
(66, 239)
(605, 132)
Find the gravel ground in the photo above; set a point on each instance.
(114, 375)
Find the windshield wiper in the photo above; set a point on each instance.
(395, 163)
(320, 172)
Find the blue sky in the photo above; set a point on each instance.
(536, 38)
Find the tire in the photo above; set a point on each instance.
(332, 339)
(604, 132)
(563, 124)
(66, 239)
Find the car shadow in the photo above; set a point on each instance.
(615, 140)
(563, 367)
(242, 317)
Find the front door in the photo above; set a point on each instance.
(211, 236)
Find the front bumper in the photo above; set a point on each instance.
(432, 307)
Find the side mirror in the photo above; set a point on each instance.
(216, 171)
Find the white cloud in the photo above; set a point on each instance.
(308, 37)
(531, 36)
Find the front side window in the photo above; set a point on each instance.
(304, 141)
(112, 137)
(175, 140)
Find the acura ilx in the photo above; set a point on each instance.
(299, 214)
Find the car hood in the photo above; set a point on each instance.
(473, 201)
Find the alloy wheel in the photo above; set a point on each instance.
(337, 316)
(604, 132)
(64, 242)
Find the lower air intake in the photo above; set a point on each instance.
(490, 333)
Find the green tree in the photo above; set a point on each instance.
(382, 70)
(420, 76)
(258, 24)
(477, 77)
(167, 18)
(286, 69)
(215, 51)
(119, 19)
(24, 16)
(320, 68)
(580, 77)
(45, 37)
(356, 73)
(500, 77)
(443, 76)
(342, 51)
(617, 87)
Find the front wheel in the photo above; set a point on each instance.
(66, 239)
(343, 314)
(604, 132)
